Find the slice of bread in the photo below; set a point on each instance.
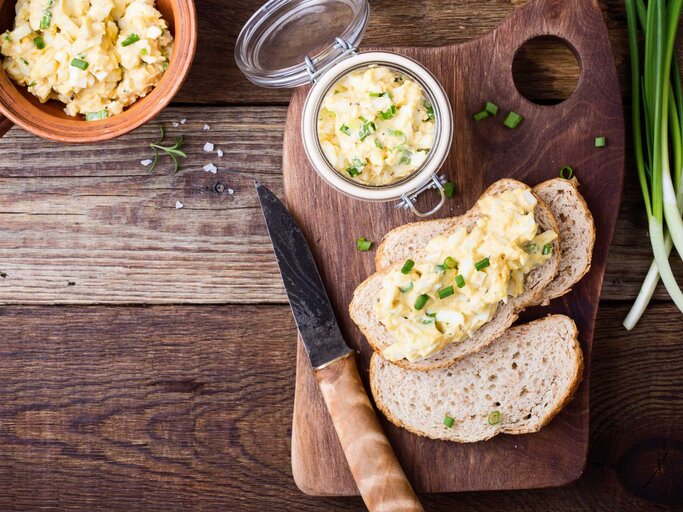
(577, 235)
(528, 375)
(367, 294)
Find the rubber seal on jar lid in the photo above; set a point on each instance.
(286, 42)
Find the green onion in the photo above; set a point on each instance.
(379, 144)
(407, 267)
(23, 60)
(353, 172)
(448, 421)
(600, 142)
(355, 169)
(96, 116)
(512, 120)
(460, 281)
(421, 302)
(397, 133)
(378, 94)
(345, 129)
(449, 189)
(80, 64)
(430, 111)
(547, 249)
(481, 265)
(143, 51)
(480, 116)
(406, 157)
(39, 42)
(431, 318)
(439, 268)
(388, 113)
(32, 84)
(363, 245)
(450, 262)
(494, 418)
(46, 20)
(367, 128)
(133, 38)
(491, 108)
(445, 292)
(531, 248)
(406, 288)
(566, 172)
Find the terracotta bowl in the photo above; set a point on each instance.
(48, 120)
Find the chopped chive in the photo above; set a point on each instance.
(531, 248)
(431, 318)
(448, 421)
(512, 120)
(445, 292)
(23, 60)
(407, 267)
(39, 42)
(378, 94)
(430, 111)
(397, 133)
(480, 116)
(449, 189)
(547, 249)
(600, 142)
(353, 172)
(96, 116)
(566, 172)
(421, 301)
(406, 288)
(460, 281)
(345, 129)
(491, 108)
(406, 157)
(363, 244)
(388, 113)
(481, 265)
(439, 268)
(378, 144)
(450, 262)
(32, 84)
(367, 128)
(494, 418)
(46, 20)
(80, 64)
(133, 38)
(143, 51)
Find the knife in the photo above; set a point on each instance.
(374, 466)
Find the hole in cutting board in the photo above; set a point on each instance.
(546, 70)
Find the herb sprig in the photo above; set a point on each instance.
(173, 151)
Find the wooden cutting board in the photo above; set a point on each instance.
(548, 138)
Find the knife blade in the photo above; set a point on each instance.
(380, 479)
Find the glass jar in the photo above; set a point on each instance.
(289, 43)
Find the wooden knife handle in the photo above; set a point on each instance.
(380, 478)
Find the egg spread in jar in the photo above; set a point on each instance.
(96, 56)
(457, 286)
(376, 126)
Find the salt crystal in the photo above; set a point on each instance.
(183, 121)
(175, 124)
(231, 191)
(146, 163)
(220, 153)
(208, 147)
(210, 168)
(207, 127)
(178, 204)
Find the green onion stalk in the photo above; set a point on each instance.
(657, 109)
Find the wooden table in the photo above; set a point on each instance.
(147, 351)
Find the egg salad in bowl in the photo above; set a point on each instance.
(463, 277)
(95, 56)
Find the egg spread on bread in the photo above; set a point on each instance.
(457, 286)
(95, 56)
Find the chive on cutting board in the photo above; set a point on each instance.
(483, 152)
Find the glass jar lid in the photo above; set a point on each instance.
(286, 40)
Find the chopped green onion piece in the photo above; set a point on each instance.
(388, 113)
(46, 20)
(491, 108)
(23, 60)
(450, 262)
(143, 51)
(421, 302)
(449, 189)
(480, 116)
(378, 144)
(600, 142)
(430, 111)
(353, 172)
(531, 248)
(32, 84)
(345, 129)
(460, 281)
(39, 42)
(566, 172)
(512, 120)
(494, 418)
(378, 94)
(397, 133)
(363, 245)
(367, 129)
(133, 38)
(96, 116)
(448, 421)
(481, 265)
(445, 292)
(431, 318)
(407, 267)
(406, 157)
(439, 268)
(547, 249)
(80, 64)
(406, 288)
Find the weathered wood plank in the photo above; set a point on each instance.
(189, 408)
(93, 216)
(215, 77)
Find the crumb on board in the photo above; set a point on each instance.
(179, 205)
(210, 168)
(208, 147)
(146, 163)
